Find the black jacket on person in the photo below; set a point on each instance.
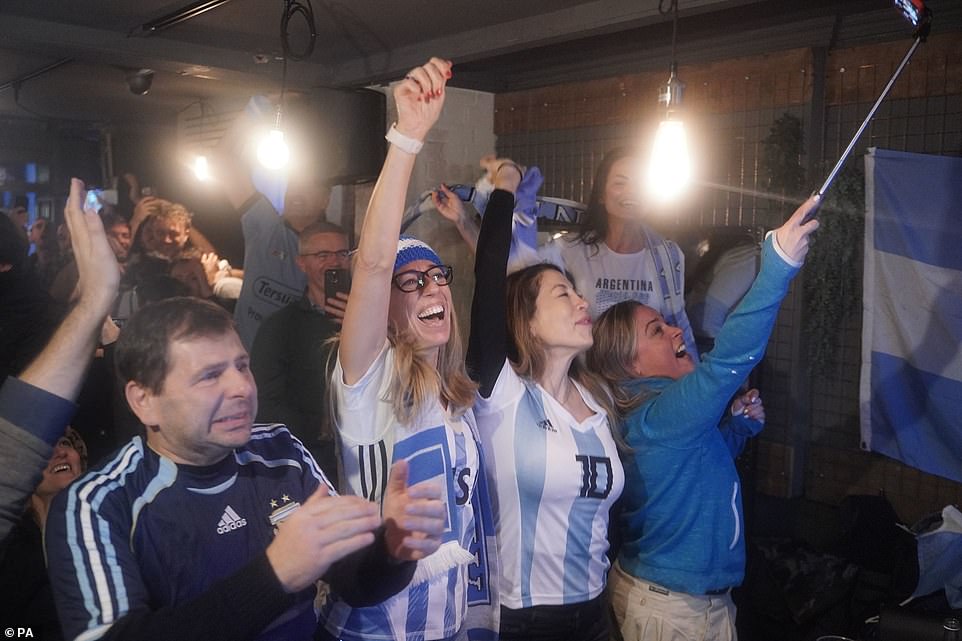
(289, 360)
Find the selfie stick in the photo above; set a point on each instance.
(921, 33)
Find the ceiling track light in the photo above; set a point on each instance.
(36, 73)
(177, 17)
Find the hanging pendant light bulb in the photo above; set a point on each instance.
(669, 170)
(272, 151)
(201, 168)
(201, 164)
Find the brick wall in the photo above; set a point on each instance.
(731, 105)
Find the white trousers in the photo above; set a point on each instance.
(648, 612)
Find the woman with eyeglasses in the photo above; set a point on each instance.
(550, 453)
(401, 391)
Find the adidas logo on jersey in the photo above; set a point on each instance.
(230, 521)
(547, 426)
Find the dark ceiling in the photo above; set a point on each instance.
(234, 50)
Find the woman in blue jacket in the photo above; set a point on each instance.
(683, 545)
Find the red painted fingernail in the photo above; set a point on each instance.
(447, 73)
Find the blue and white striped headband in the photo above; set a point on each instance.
(410, 249)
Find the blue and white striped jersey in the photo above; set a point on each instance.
(140, 532)
(439, 446)
(555, 481)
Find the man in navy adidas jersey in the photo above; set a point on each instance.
(211, 527)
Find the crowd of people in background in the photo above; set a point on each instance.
(305, 448)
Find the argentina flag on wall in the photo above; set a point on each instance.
(911, 383)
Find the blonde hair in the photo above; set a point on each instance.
(165, 209)
(613, 352)
(416, 382)
(529, 358)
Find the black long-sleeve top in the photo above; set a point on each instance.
(489, 345)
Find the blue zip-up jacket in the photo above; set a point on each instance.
(682, 517)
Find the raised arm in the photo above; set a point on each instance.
(35, 410)
(60, 367)
(699, 398)
(142, 210)
(233, 172)
(450, 206)
(488, 343)
(419, 98)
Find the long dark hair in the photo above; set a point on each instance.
(595, 225)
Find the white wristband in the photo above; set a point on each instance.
(402, 142)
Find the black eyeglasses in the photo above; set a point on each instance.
(326, 255)
(413, 280)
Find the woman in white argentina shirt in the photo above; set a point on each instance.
(401, 392)
(550, 456)
(616, 255)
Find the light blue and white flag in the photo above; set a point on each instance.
(911, 384)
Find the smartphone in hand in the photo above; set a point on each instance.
(336, 280)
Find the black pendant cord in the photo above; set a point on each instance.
(664, 8)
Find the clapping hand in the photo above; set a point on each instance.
(97, 269)
(323, 530)
(414, 517)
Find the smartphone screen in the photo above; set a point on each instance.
(911, 9)
(93, 200)
(336, 280)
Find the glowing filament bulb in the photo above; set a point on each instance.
(272, 152)
(669, 171)
(201, 168)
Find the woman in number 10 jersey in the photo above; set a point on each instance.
(550, 455)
